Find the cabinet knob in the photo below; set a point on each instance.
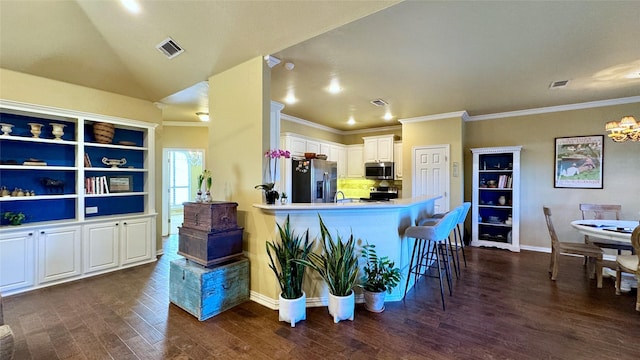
(30, 234)
(125, 223)
(41, 232)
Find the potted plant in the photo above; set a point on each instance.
(380, 277)
(14, 218)
(270, 194)
(338, 267)
(283, 198)
(290, 273)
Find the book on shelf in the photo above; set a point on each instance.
(96, 185)
(87, 161)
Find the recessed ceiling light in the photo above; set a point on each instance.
(290, 98)
(334, 86)
(388, 115)
(351, 121)
(204, 116)
(131, 5)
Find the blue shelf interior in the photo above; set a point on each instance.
(52, 154)
(41, 210)
(134, 136)
(63, 182)
(116, 205)
(135, 158)
(22, 128)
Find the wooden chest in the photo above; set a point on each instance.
(209, 248)
(210, 216)
(205, 292)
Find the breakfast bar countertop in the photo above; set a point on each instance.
(350, 204)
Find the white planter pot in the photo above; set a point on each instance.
(342, 307)
(293, 310)
(374, 301)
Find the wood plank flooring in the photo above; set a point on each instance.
(503, 307)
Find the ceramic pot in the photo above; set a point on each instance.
(342, 307)
(374, 301)
(58, 130)
(292, 310)
(103, 132)
(502, 200)
(36, 129)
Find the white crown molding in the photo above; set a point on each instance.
(372, 130)
(185, 123)
(559, 108)
(461, 114)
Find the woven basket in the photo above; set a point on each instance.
(103, 132)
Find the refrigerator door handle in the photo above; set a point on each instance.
(325, 187)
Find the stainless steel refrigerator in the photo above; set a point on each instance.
(313, 181)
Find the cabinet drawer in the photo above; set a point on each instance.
(213, 216)
(208, 248)
(207, 291)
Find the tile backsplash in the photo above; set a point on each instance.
(357, 188)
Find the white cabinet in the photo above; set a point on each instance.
(378, 148)
(101, 246)
(58, 253)
(355, 163)
(133, 240)
(397, 160)
(17, 259)
(341, 158)
(495, 209)
(297, 146)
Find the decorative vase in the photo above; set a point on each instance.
(374, 301)
(283, 200)
(207, 197)
(199, 196)
(36, 129)
(6, 128)
(292, 310)
(103, 132)
(502, 200)
(271, 196)
(58, 130)
(342, 307)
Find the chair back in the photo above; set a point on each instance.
(438, 231)
(463, 212)
(552, 231)
(600, 211)
(635, 242)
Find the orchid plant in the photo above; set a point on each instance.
(273, 156)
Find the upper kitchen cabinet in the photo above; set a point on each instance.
(397, 159)
(355, 165)
(378, 148)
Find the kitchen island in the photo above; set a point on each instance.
(381, 223)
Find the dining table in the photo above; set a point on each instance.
(607, 231)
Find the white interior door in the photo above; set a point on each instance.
(180, 170)
(431, 174)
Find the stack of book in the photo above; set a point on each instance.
(505, 181)
(96, 185)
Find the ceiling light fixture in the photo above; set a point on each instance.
(131, 5)
(388, 116)
(271, 60)
(627, 129)
(351, 121)
(290, 98)
(289, 66)
(204, 116)
(334, 86)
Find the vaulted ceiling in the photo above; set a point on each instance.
(421, 57)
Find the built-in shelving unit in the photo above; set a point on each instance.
(49, 178)
(495, 207)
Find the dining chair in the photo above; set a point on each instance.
(630, 264)
(602, 212)
(591, 252)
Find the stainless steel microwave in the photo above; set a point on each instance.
(378, 170)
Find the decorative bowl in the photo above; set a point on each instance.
(309, 155)
(114, 163)
(321, 156)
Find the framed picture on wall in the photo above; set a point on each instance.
(120, 183)
(579, 161)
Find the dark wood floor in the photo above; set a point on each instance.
(503, 307)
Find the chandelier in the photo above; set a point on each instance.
(626, 129)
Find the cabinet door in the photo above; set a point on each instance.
(355, 165)
(340, 154)
(397, 160)
(100, 246)
(298, 146)
(313, 146)
(16, 260)
(385, 149)
(135, 240)
(370, 150)
(326, 149)
(58, 253)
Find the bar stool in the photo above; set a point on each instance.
(431, 242)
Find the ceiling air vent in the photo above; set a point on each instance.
(559, 84)
(169, 48)
(379, 102)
